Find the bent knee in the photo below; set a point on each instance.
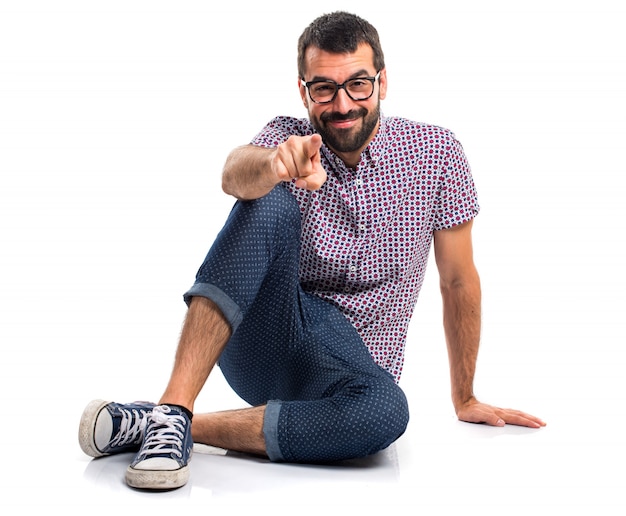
(362, 418)
(383, 416)
(390, 415)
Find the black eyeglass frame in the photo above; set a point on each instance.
(343, 85)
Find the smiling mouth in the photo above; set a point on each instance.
(343, 124)
(343, 120)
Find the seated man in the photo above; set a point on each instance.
(306, 295)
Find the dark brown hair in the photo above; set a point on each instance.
(339, 33)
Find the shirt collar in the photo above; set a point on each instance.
(374, 151)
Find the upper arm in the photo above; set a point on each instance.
(454, 254)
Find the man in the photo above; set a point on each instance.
(306, 295)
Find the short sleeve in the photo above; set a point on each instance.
(457, 199)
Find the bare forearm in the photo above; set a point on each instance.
(462, 322)
(247, 173)
(251, 172)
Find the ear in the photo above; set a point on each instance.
(382, 84)
(303, 95)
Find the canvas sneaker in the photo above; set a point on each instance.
(107, 428)
(163, 460)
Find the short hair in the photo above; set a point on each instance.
(339, 33)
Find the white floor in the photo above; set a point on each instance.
(576, 462)
(115, 119)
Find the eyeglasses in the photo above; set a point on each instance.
(325, 91)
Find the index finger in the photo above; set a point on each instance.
(312, 146)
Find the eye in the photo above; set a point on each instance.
(359, 84)
(323, 88)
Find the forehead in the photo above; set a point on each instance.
(328, 65)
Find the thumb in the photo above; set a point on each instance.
(498, 422)
(480, 413)
(492, 419)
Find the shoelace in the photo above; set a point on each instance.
(165, 435)
(131, 427)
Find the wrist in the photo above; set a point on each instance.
(461, 402)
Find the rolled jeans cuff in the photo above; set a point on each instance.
(229, 308)
(270, 431)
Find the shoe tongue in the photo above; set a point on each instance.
(178, 408)
(160, 414)
(159, 417)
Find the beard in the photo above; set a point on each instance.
(347, 140)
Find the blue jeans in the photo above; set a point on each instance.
(326, 398)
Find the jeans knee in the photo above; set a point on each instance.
(389, 414)
(383, 415)
(275, 215)
(278, 202)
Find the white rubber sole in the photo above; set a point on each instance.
(161, 480)
(87, 426)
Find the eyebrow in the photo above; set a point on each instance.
(360, 73)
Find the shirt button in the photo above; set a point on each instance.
(362, 227)
(352, 268)
(359, 182)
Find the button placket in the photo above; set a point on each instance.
(352, 274)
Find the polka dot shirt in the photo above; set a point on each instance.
(366, 234)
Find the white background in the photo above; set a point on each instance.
(115, 120)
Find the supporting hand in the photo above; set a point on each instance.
(474, 411)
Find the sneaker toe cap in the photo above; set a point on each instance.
(157, 464)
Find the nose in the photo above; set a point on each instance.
(342, 102)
